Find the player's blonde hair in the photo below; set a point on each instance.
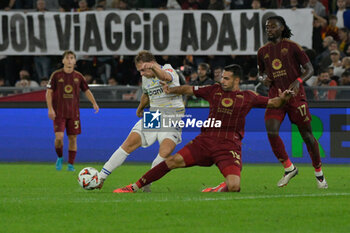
(144, 56)
(68, 52)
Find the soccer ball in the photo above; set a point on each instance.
(89, 178)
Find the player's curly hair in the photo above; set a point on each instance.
(287, 33)
(235, 69)
(144, 56)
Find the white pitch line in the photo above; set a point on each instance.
(227, 197)
(218, 198)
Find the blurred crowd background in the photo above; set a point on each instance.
(330, 53)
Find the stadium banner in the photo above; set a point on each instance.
(239, 32)
(27, 135)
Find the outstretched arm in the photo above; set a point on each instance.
(283, 98)
(161, 74)
(51, 112)
(180, 90)
(144, 102)
(91, 98)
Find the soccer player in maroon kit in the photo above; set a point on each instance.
(220, 145)
(280, 62)
(62, 98)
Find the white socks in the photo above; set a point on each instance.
(290, 168)
(157, 161)
(117, 159)
(320, 173)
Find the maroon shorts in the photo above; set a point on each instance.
(71, 125)
(298, 112)
(205, 151)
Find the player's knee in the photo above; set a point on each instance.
(72, 138)
(59, 141)
(308, 138)
(175, 161)
(166, 148)
(165, 153)
(273, 133)
(132, 143)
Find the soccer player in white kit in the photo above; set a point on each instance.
(154, 96)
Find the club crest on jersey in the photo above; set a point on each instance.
(61, 80)
(154, 82)
(276, 64)
(227, 102)
(266, 56)
(68, 89)
(76, 80)
(284, 51)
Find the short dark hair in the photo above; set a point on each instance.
(144, 56)
(323, 70)
(345, 74)
(235, 69)
(287, 33)
(204, 65)
(345, 30)
(67, 52)
(253, 72)
(333, 17)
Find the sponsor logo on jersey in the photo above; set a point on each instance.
(276, 64)
(155, 91)
(226, 102)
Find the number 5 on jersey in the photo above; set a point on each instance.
(76, 124)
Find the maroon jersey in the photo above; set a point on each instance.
(231, 108)
(66, 89)
(282, 63)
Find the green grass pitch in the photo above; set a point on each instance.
(37, 198)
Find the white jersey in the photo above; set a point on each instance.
(158, 98)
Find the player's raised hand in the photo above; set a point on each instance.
(52, 114)
(165, 87)
(97, 108)
(147, 65)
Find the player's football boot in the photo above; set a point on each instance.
(215, 189)
(59, 164)
(101, 183)
(126, 189)
(70, 167)
(321, 182)
(287, 176)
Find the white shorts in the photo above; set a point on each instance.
(149, 137)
